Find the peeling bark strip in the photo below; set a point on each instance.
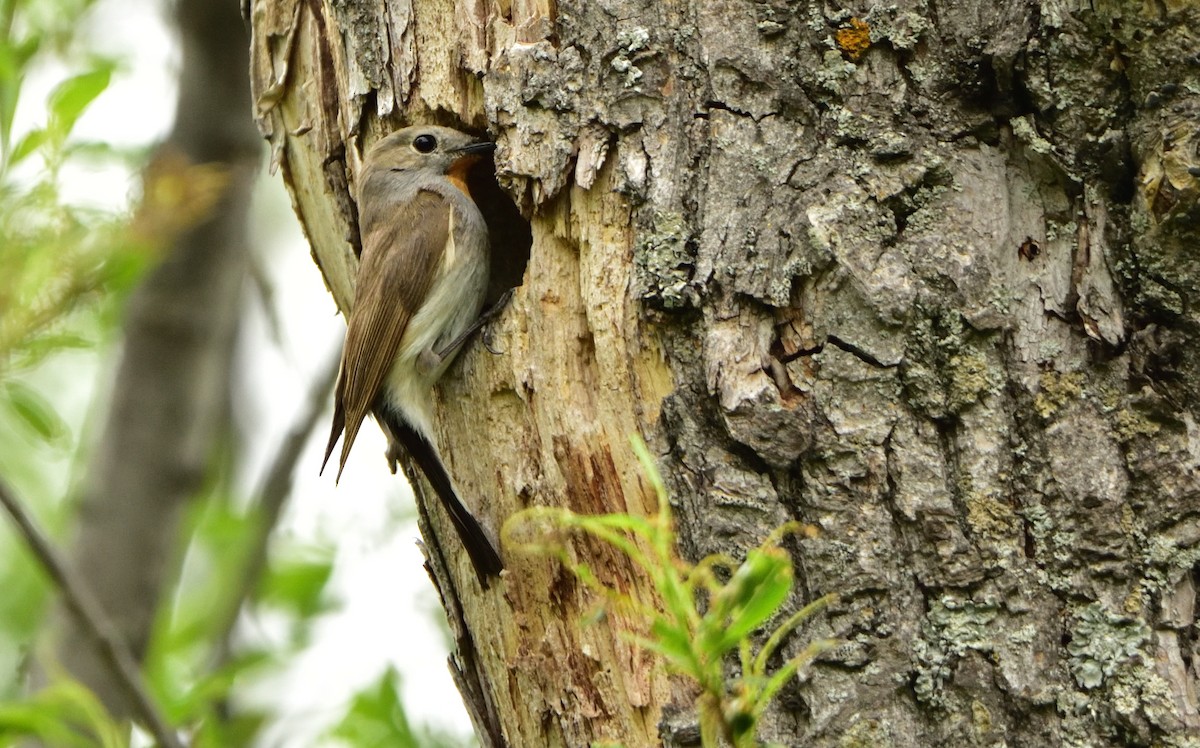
(791, 244)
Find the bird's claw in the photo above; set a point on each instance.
(394, 451)
(488, 316)
(486, 339)
(481, 325)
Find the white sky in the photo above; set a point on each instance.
(383, 596)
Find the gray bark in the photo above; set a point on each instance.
(920, 277)
(170, 400)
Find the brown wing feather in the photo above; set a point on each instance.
(402, 254)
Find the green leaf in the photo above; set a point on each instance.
(298, 585)
(63, 714)
(123, 268)
(13, 59)
(782, 630)
(759, 586)
(71, 97)
(674, 645)
(37, 414)
(188, 703)
(26, 590)
(29, 142)
(376, 718)
(237, 730)
(25, 720)
(742, 723)
(47, 343)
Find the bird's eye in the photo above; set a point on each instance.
(425, 143)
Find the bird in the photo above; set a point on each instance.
(419, 290)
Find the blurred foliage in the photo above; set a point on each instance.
(192, 667)
(68, 269)
(66, 265)
(63, 715)
(376, 719)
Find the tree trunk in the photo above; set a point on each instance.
(170, 401)
(918, 275)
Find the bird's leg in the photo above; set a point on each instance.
(488, 315)
(393, 454)
(394, 450)
(431, 359)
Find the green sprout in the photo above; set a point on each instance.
(696, 621)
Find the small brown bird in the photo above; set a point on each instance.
(422, 278)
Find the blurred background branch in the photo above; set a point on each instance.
(110, 648)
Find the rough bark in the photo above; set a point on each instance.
(916, 273)
(170, 400)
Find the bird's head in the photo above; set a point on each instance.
(428, 148)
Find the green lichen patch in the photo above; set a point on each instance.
(981, 718)
(946, 369)
(950, 629)
(1166, 562)
(1139, 693)
(1101, 642)
(1055, 390)
(665, 262)
(868, 733)
(1131, 424)
(989, 517)
(969, 378)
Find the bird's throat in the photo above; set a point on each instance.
(458, 173)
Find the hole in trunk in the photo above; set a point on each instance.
(508, 230)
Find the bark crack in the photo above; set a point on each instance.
(722, 106)
(837, 342)
(858, 353)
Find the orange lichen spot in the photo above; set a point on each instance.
(853, 41)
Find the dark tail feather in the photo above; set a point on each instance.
(339, 423)
(340, 427)
(479, 547)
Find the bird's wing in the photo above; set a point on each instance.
(401, 257)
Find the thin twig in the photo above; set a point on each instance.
(113, 650)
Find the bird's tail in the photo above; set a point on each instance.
(339, 423)
(484, 556)
(351, 428)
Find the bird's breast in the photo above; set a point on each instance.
(453, 303)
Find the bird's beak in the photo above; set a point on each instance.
(477, 148)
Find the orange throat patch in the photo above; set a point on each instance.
(458, 171)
